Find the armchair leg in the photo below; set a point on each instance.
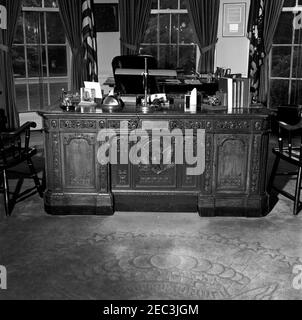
(35, 177)
(6, 194)
(297, 192)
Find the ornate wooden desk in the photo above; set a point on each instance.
(232, 184)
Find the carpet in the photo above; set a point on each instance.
(142, 256)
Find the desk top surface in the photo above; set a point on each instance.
(165, 112)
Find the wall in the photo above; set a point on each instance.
(232, 52)
(108, 44)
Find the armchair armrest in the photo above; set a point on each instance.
(23, 128)
(290, 127)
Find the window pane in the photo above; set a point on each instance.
(57, 61)
(32, 3)
(187, 58)
(56, 90)
(164, 28)
(151, 32)
(154, 4)
(55, 30)
(18, 62)
(297, 65)
(37, 96)
(33, 61)
(50, 3)
(289, 3)
(168, 4)
(168, 57)
(174, 28)
(33, 31)
(21, 97)
(186, 34)
(298, 31)
(19, 37)
(183, 4)
(281, 61)
(285, 29)
(279, 92)
(296, 97)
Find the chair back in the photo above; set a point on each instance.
(3, 121)
(133, 84)
(290, 114)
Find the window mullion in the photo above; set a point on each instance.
(291, 68)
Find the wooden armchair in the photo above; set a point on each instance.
(15, 150)
(290, 151)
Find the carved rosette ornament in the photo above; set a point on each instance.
(102, 124)
(232, 125)
(78, 124)
(186, 124)
(54, 124)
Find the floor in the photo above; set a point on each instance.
(151, 255)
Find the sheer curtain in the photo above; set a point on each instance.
(204, 15)
(71, 15)
(7, 86)
(134, 17)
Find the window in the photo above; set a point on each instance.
(40, 55)
(169, 36)
(286, 57)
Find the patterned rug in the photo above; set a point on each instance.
(150, 256)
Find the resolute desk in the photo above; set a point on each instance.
(233, 182)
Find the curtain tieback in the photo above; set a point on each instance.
(4, 48)
(128, 45)
(203, 50)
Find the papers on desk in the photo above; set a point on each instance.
(151, 72)
(192, 81)
(170, 81)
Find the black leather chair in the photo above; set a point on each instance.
(133, 84)
(15, 150)
(289, 150)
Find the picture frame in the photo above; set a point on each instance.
(234, 19)
(106, 17)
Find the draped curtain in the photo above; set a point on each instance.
(7, 86)
(272, 12)
(256, 56)
(71, 16)
(204, 15)
(263, 21)
(134, 17)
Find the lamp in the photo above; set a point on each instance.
(145, 73)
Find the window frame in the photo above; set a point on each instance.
(44, 79)
(158, 44)
(292, 45)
